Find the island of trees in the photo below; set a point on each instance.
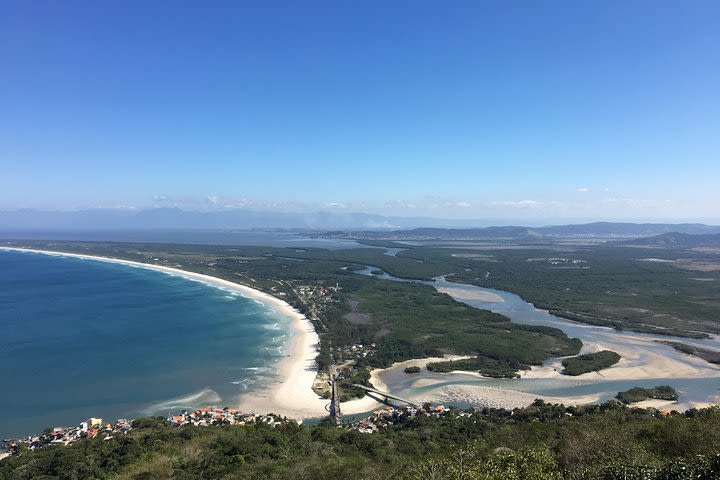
(589, 362)
(638, 394)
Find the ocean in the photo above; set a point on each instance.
(82, 338)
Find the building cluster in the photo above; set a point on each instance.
(355, 352)
(206, 417)
(91, 428)
(96, 427)
(565, 261)
(316, 297)
(389, 416)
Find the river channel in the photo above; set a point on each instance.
(645, 361)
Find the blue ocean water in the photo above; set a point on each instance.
(82, 338)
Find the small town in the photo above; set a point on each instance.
(96, 427)
(91, 428)
(391, 415)
(209, 416)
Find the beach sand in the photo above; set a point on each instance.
(633, 365)
(480, 395)
(656, 403)
(291, 395)
(460, 295)
(500, 397)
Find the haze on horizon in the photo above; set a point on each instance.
(536, 112)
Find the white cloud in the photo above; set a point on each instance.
(115, 207)
(516, 204)
(583, 189)
(335, 205)
(399, 204)
(198, 203)
(463, 204)
(636, 202)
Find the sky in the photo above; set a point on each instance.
(481, 109)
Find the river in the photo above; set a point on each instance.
(645, 361)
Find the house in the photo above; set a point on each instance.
(95, 422)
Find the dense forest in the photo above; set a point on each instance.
(540, 442)
(660, 290)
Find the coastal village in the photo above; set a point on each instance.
(96, 427)
(90, 428)
(210, 416)
(391, 415)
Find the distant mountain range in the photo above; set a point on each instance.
(680, 240)
(597, 229)
(348, 225)
(175, 218)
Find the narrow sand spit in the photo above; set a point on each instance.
(459, 294)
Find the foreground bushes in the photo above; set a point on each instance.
(542, 442)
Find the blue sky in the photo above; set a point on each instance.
(479, 109)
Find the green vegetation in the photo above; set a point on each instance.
(671, 290)
(638, 394)
(602, 284)
(497, 367)
(348, 391)
(412, 370)
(589, 362)
(665, 291)
(403, 320)
(415, 321)
(710, 356)
(662, 289)
(354, 267)
(540, 442)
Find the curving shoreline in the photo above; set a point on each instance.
(291, 394)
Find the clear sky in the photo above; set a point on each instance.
(480, 109)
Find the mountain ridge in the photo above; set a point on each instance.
(364, 225)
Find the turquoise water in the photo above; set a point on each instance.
(82, 338)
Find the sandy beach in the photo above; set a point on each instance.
(471, 394)
(632, 365)
(292, 394)
(488, 297)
